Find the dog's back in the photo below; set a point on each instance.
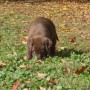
(43, 26)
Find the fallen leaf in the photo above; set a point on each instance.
(66, 64)
(42, 88)
(25, 57)
(24, 40)
(82, 69)
(48, 79)
(39, 61)
(28, 81)
(12, 12)
(62, 26)
(73, 40)
(83, 36)
(62, 48)
(24, 21)
(41, 75)
(16, 85)
(52, 81)
(67, 71)
(49, 88)
(26, 89)
(65, 8)
(85, 18)
(25, 66)
(2, 64)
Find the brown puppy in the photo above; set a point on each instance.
(42, 38)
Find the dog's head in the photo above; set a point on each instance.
(40, 46)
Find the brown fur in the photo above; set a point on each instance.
(42, 38)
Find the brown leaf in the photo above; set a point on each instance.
(67, 71)
(41, 75)
(16, 85)
(24, 39)
(73, 40)
(2, 64)
(85, 17)
(82, 69)
(52, 81)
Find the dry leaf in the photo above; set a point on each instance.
(85, 17)
(65, 8)
(82, 69)
(66, 64)
(41, 75)
(39, 61)
(73, 40)
(48, 79)
(25, 57)
(25, 66)
(62, 48)
(42, 88)
(24, 40)
(28, 81)
(67, 71)
(2, 64)
(62, 26)
(52, 81)
(16, 85)
(49, 88)
(26, 89)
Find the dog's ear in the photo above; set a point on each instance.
(29, 48)
(47, 44)
(30, 43)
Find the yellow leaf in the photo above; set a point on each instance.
(62, 48)
(12, 12)
(65, 8)
(62, 26)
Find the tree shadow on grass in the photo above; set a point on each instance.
(68, 52)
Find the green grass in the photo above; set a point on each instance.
(15, 17)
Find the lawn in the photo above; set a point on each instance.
(69, 69)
